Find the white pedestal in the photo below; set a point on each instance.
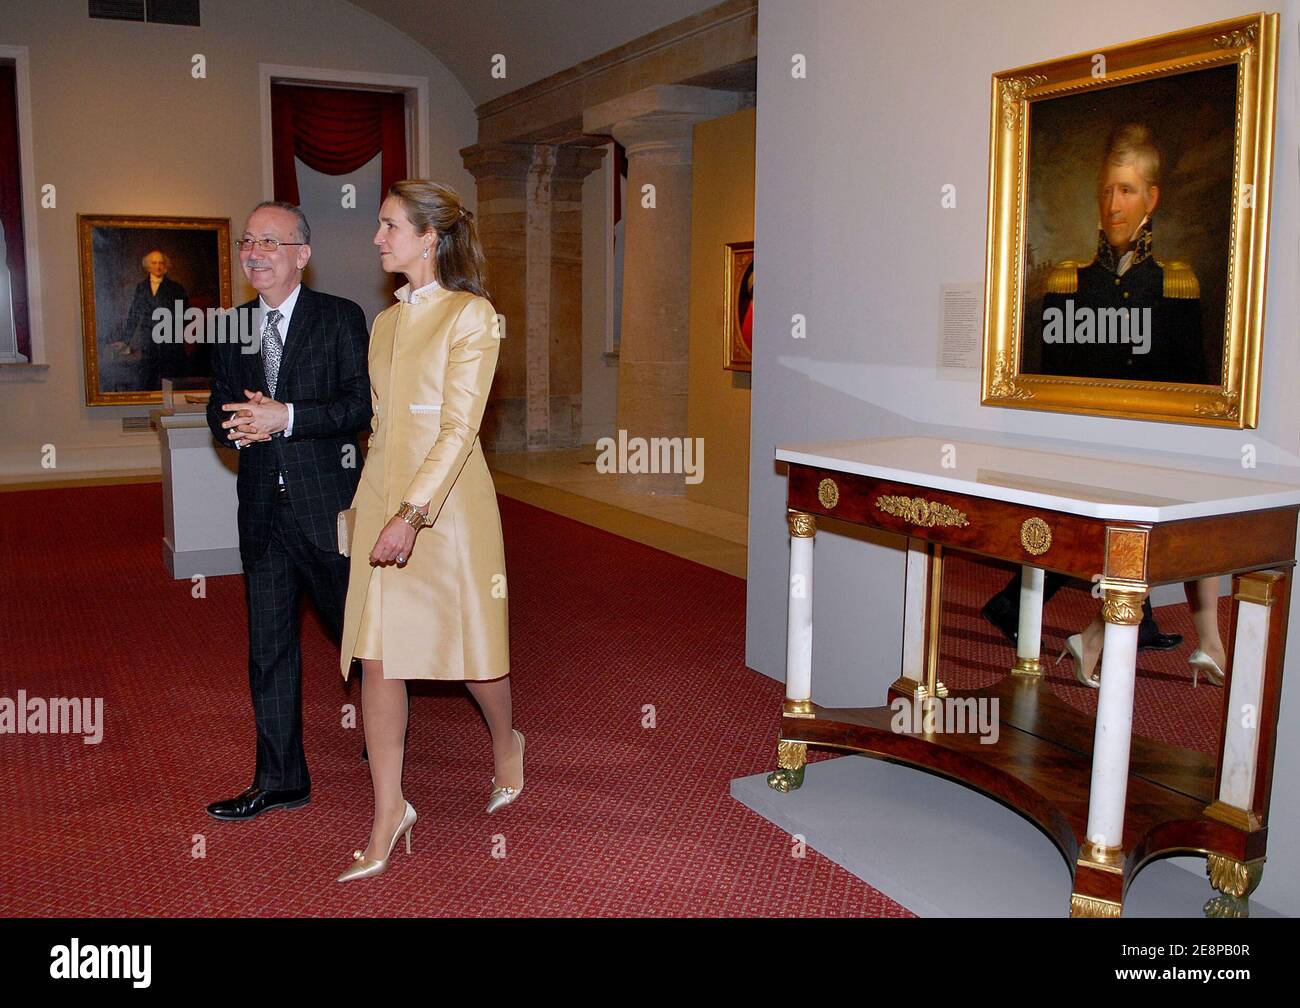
(200, 533)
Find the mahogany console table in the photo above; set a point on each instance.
(1110, 802)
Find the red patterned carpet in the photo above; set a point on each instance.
(616, 819)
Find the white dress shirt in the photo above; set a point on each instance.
(285, 308)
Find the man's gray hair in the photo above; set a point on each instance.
(304, 229)
(1133, 143)
(167, 262)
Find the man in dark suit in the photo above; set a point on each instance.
(134, 362)
(1125, 315)
(293, 411)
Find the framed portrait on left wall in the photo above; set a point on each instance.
(738, 307)
(139, 276)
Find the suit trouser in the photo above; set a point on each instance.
(273, 587)
(1054, 582)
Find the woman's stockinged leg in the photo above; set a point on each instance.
(383, 713)
(494, 700)
(1203, 600)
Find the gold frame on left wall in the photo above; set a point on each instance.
(86, 225)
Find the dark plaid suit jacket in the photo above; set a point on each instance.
(324, 374)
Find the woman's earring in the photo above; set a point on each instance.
(424, 254)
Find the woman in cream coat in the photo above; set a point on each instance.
(426, 591)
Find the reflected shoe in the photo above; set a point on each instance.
(364, 867)
(1157, 641)
(503, 796)
(1004, 616)
(252, 802)
(1074, 648)
(1207, 666)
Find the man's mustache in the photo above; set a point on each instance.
(255, 264)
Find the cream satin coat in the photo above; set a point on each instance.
(444, 613)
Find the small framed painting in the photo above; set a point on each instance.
(738, 307)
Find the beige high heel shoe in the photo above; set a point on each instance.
(1201, 662)
(364, 867)
(1074, 648)
(503, 796)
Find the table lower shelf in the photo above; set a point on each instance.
(1041, 766)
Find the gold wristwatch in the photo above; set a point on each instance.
(413, 516)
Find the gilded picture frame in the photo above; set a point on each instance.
(1189, 117)
(130, 267)
(738, 306)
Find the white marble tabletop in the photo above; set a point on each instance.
(1094, 487)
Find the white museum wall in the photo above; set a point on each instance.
(348, 263)
(722, 211)
(850, 162)
(120, 126)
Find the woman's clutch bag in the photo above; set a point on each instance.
(347, 528)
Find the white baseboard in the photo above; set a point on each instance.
(21, 465)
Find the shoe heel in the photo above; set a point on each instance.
(408, 839)
(1201, 662)
(1074, 648)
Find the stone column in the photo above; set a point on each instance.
(656, 126)
(554, 290)
(530, 225)
(501, 171)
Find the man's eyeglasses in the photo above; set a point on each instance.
(263, 244)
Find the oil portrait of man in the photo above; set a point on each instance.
(142, 278)
(1146, 171)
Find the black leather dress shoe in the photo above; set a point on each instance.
(254, 801)
(1159, 641)
(1004, 616)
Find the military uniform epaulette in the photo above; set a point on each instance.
(1064, 279)
(1180, 281)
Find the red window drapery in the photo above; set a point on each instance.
(335, 131)
(11, 206)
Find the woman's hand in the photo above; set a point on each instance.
(394, 544)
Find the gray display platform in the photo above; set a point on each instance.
(942, 850)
